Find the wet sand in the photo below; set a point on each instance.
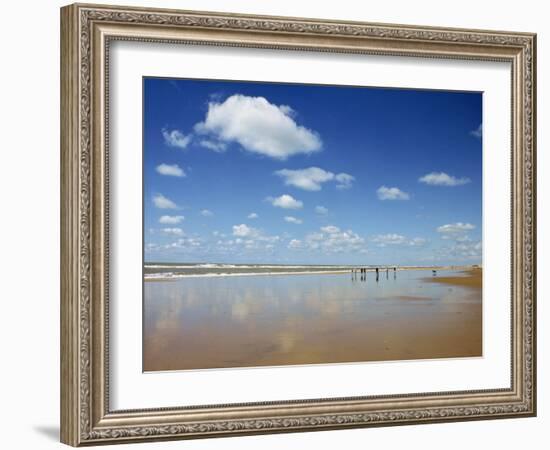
(203, 323)
(472, 278)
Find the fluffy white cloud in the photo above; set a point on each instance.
(389, 239)
(215, 146)
(295, 243)
(249, 238)
(161, 202)
(187, 244)
(152, 247)
(206, 213)
(478, 132)
(344, 180)
(331, 239)
(173, 231)
(383, 240)
(171, 170)
(171, 220)
(309, 179)
(312, 178)
(183, 244)
(462, 251)
(468, 250)
(457, 237)
(455, 228)
(253, 215)
(244, 230)
(293, 220)
(391, 193)
(285, 201)
(458, 233)
(418, 242)
(321, 210)
(442, 179)
(259, 127)
(175, 138)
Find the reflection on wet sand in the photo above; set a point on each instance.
(200, 323)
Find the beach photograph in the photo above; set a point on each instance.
(295, 224)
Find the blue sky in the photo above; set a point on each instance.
(291, 173)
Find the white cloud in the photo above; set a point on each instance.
(295, 243)
(462, 250)
(478, 132)
(442, 179)
(216, 146)
(175, 138)
(259, 127)
(252, 215)
(152, 247)
(331, 229)
(457, 232)
(293, 220)
(457, 237)
(188, 244)
(206, 213)
(312, 178)
(455, 228)
(383, 240)
(251, 238)
(333, 240)
(171, 170)
(171, 220)
(309, 179)
(389, 239)
(391, 193)
(244, 230)
(173, 231)
(418, 242)
(285, 201)
(161, 202)
(468, 250)
(344, 180)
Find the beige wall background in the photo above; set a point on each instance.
(29, 224)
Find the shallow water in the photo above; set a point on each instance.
(214, 322)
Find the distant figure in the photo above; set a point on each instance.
(434, 272)
(394, 269)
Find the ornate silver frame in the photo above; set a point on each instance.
(86, 31)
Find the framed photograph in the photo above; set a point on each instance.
(277, 224)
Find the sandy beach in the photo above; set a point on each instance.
(221, 322)
(469, 278)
